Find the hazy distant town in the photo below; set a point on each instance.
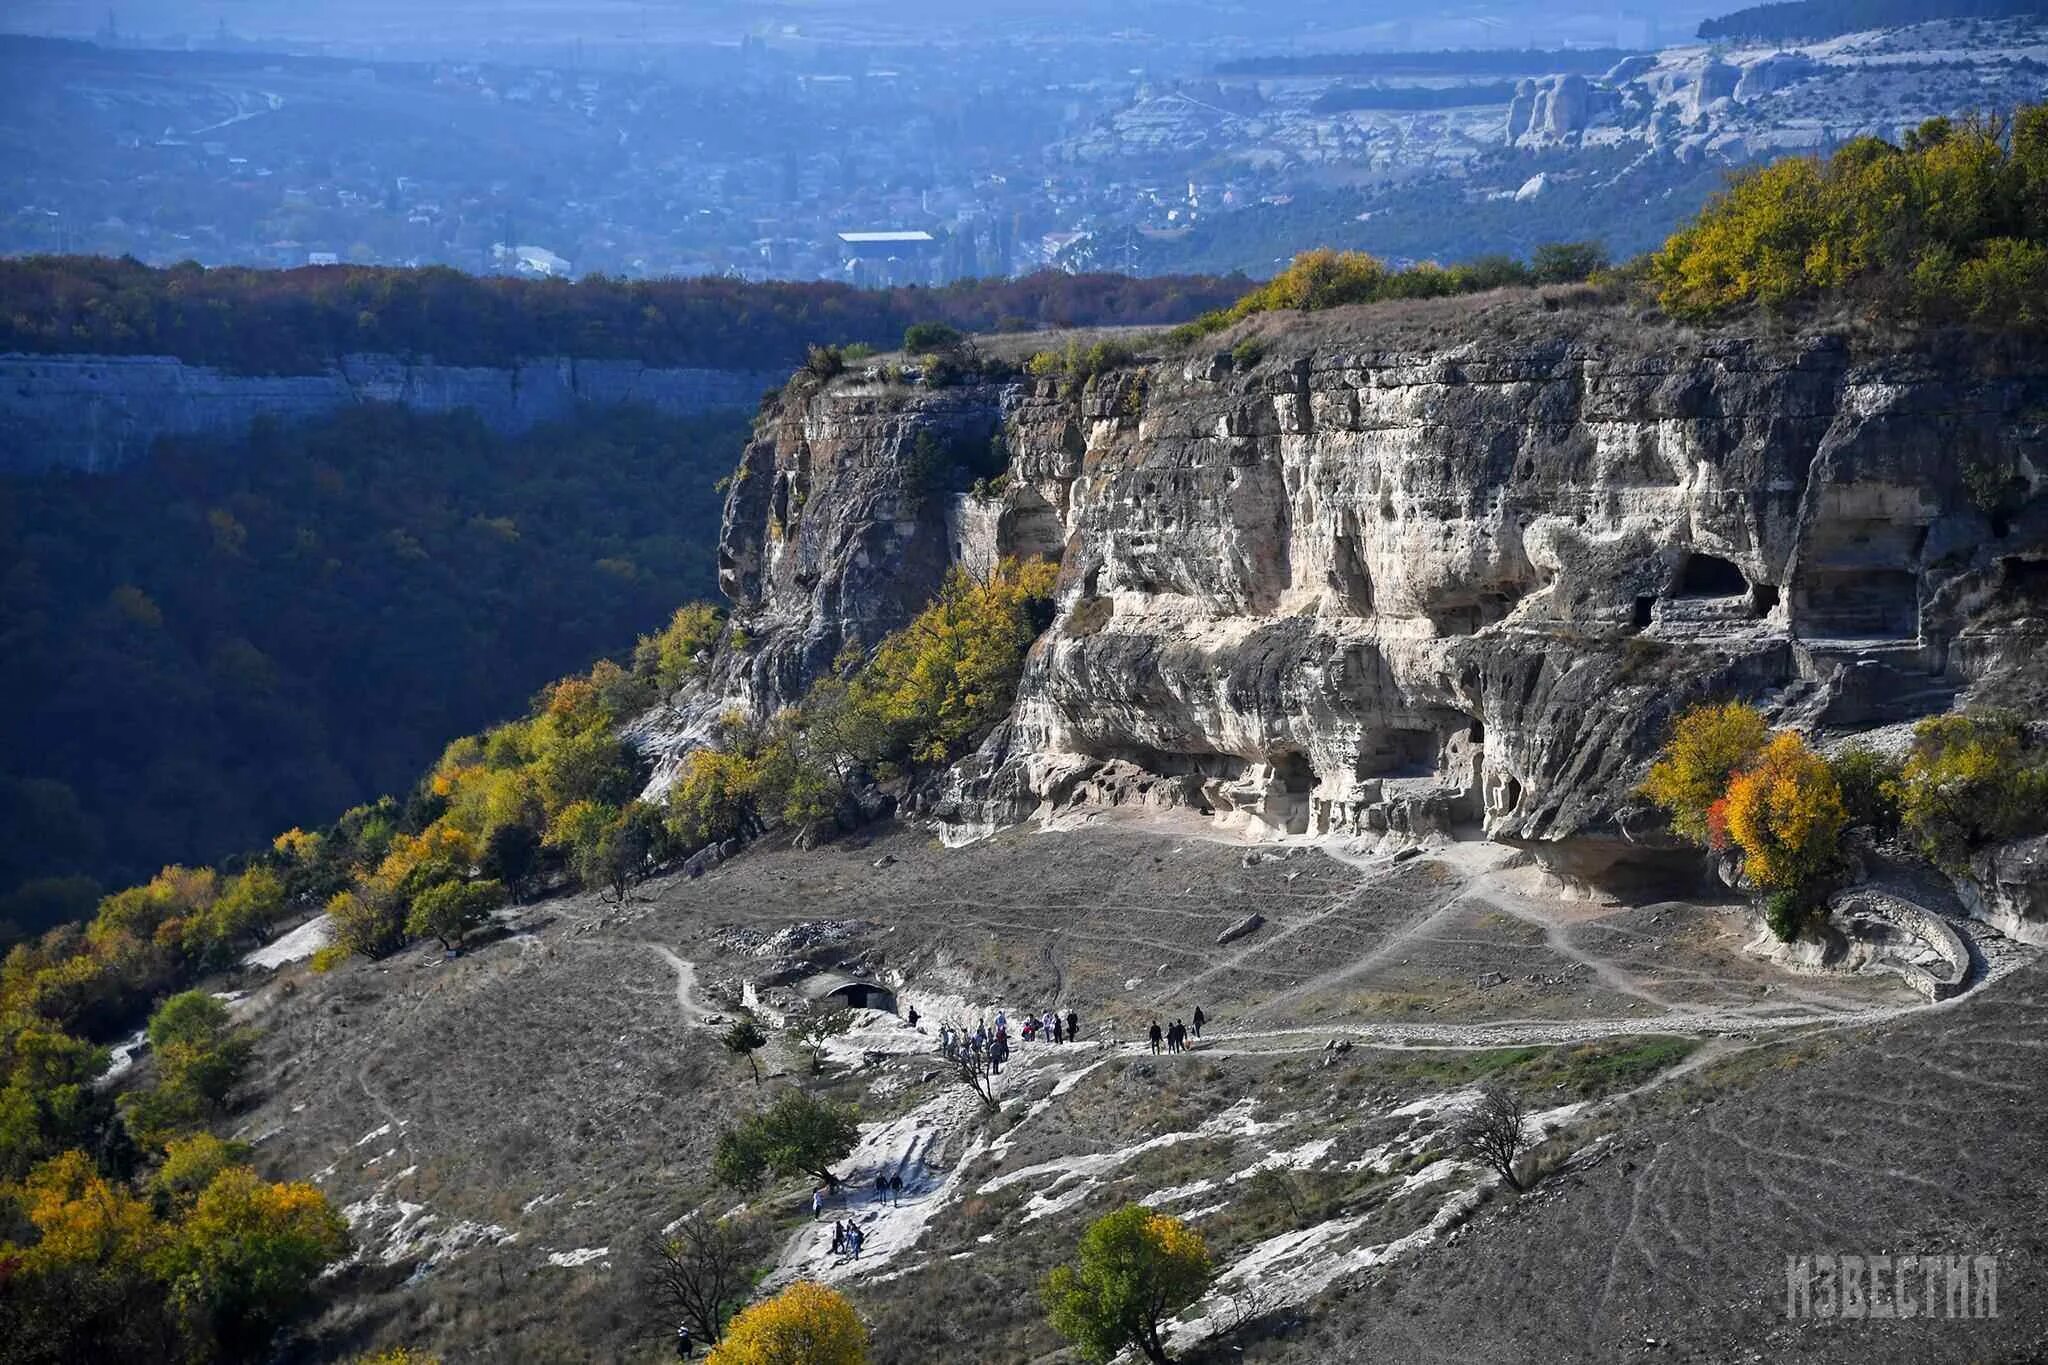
(792, 151)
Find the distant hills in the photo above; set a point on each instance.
(1808, 20)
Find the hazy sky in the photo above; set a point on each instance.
(388, 26)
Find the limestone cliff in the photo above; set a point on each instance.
(1378, 580)
(95, 413)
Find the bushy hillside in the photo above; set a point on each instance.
(230, 640)
(296, 321)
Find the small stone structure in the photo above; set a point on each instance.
(837, 990)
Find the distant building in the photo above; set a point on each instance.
(322, 258)
(896, 256)
(531, 260)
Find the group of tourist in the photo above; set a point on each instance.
(989, 1045)
(1175, 1035)
(846, 1239)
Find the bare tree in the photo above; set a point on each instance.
(702, 1271)
(1496, 1132)
(978, 1076)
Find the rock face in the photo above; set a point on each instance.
(1404, 589)
(96, 413)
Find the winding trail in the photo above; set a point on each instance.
(694, 1012)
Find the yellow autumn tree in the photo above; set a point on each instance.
(1708, 745)
(806, 1324)
(944, 679)
(1786, 814)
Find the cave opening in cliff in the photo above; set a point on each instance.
(1644, 613)
(1859, 602)
(1763, 599)
(1710, 576)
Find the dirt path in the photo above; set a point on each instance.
(695, 1014)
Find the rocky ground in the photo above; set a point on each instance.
(506, 1129)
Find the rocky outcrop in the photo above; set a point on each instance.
(96, 413)
(1400, 588)
(2008, 889)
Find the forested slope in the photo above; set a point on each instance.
(202, 651)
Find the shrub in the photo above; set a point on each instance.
(924, 338)
(1968, 781)
(806, 1324)
(1567, 262)
(1865, 778)
(681, 648)
(1708, 745)
(1786, 912)
(1134, 1271)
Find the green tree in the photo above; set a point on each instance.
(744, 1039)
(798, 1134)
(450, 910)
(366, 924)
(245, 1259)
(48, 1102)
(198, 1047)
(712, 798)
(1135, 1270)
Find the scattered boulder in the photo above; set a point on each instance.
(1250, 924)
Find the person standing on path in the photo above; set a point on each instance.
(817, 1202)
(1073, 1027)
(684, 1346)
(1155, 1037)
(1200, 1019)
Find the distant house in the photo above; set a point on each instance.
(895, 256)
(322, 258)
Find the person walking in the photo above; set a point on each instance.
(684, 1346)
(1200, 1019)
(1155, 1037)
(895, 1189)
(910, 1016)
(1057, 1036)
(881, 1188)
(1073, 1027)
(817, 1202)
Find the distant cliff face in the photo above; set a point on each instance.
(96, 413)
(1456, 586)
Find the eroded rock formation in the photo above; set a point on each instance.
(1357, 587)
